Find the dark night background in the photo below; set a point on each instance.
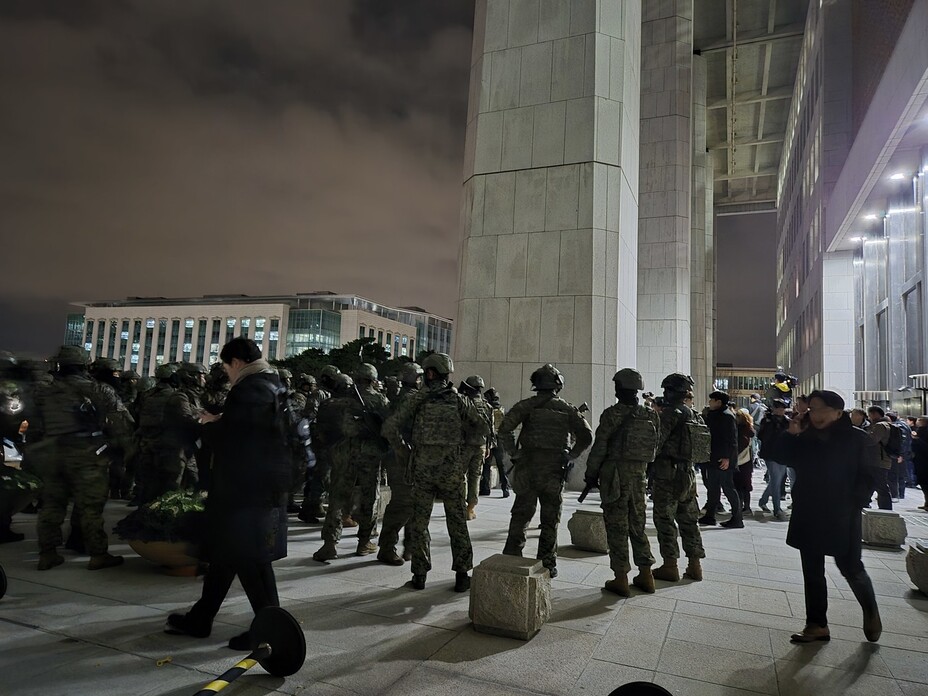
(172, 148)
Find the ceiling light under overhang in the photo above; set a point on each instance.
(898, 176)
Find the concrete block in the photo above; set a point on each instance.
(548, 134)
(916, 564)
(535, 80)
(497, 25)
(510, 596)
(518, 125)
(567, 68)
(553, 19)
(505, 79)
(883, 528)
(530, 195)
(588, 531)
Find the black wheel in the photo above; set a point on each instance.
(2, 582)
(283, 633)
(640, 689)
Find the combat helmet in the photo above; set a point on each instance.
(411, 373)
(677, 382)
(130, 375)
(342, 383)
(628, 378)
(284, 373)
(364, 371)
(304, 380)
(71, 355)
(472, 385)
(547, 378)
(327, 376)
(105, 365)
(164, 373)
(440, 362)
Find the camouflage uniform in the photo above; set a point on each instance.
(475, 447)
(622, 483)
(432, 422)
(317, 481)
(674, 489)
(76, 417)
(156, 467)
(356, 463)
(399, 510)
(548, 424)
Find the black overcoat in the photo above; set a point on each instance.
(833, 482)
(246, 508)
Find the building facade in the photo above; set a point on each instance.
(142, 333)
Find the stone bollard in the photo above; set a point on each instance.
(510, 596)
(916, 564)
(588, 530)
(882, 528)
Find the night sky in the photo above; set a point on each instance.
(173, 148)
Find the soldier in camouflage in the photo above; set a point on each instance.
(625, 443)
(356, 457)
(76, 419)
(496, 452)
(674, 485)
(213, 400)
(151, 457)
(541, 460)
(318, 479)
(399, 510)
(475, 450)
(427, 430)
(296, 404)
(182, 427)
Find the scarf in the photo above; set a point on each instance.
(253, 368)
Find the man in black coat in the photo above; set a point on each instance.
(246, 512)
(834, 463)
(720, 469)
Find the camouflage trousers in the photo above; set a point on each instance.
(474, 456)
(625, 521)
(438, 472)
(160, 470)
(675, 506)
(399, 510)
(72, 470)
(353, 468)
(536, 480)
(297, 473)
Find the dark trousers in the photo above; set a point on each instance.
(881, 483)
(896, 477)
(717, 482)
(851, 567)
(257, 580)
(496, 456)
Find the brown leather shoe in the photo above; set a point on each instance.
(811, 634)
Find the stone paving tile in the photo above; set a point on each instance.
(600, 678)
(720, 634)
(722, 666)
(797, 679)
(837, 654)
(635, 638)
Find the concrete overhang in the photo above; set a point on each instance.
(885, 156)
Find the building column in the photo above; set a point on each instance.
(549, 248)
(664, 274)
(838, 324)
(702, 249)
(168, 336)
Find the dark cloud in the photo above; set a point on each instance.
(177, 148)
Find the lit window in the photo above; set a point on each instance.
(188, 347)
(134, 359)
(88, 346)
(213, 347)
(135, 347)
(274, 335)
(150, 324)
(124, 335)
(259, 336)
(188, 323)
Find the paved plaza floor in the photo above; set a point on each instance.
(71, 631)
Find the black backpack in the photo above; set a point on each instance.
(893, 446)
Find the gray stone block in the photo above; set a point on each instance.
(883, 528)
(916, 564)
(510, 596)
(588, 531)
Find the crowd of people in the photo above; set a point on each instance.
(254, 440)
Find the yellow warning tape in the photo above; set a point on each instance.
(217, 685)
(247, 663)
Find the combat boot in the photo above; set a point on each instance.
(618, 585)
(417, 582)
(644, 580)
(366, 547)
(104, 560)
(348, 521)
(390, 557)
(471, 513)
(328, 552)
(694, 570)
(75, 542)
(461, 582)
(49, 559)
(668, 571)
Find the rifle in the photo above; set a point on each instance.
(586, 491)
(371, 420)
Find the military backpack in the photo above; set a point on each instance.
(696, 443)
(637, 436)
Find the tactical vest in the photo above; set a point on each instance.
(67, 408)
(637, 436)
(478, 440)
(151, 417)
(547, 426)
(438, 420)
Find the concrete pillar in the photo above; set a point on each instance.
(548, 258)
(664, 205)
(838, 323)
(702, 251)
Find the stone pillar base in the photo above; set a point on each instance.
(588, 531)
(510, 596)
(883, 528)
(916, 563)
